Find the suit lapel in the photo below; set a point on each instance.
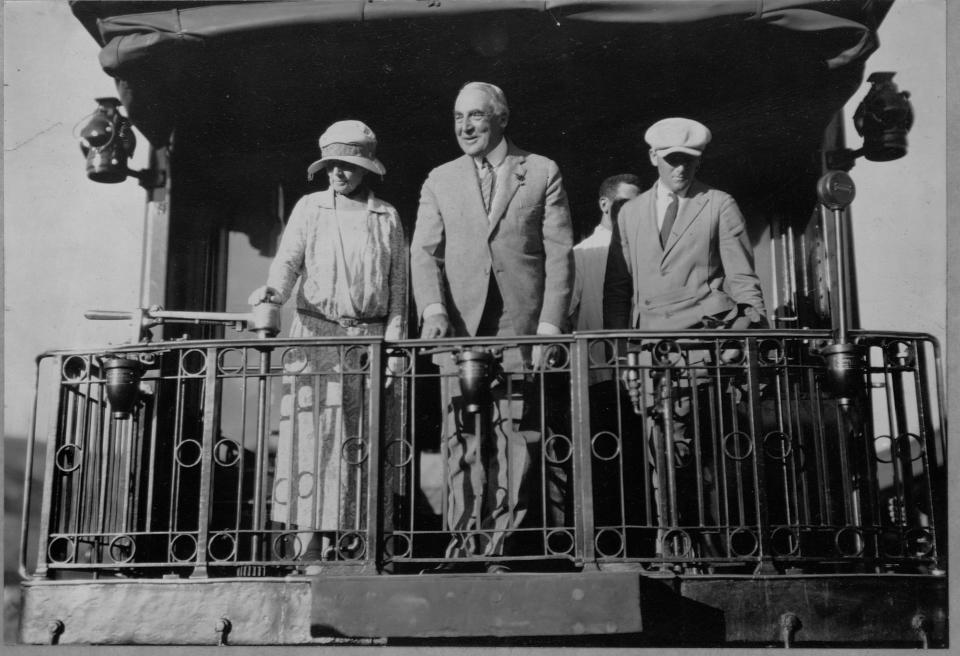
(510, 177)
(691, 209)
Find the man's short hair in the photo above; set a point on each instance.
(497, 98)
(609, 187)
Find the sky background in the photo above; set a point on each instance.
(72, 245)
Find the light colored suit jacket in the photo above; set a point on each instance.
(525, 244)
(704, 269)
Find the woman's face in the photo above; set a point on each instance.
(344, 177)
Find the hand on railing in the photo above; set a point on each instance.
(264, 294)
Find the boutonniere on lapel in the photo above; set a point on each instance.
(520, 175)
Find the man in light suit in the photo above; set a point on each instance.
(491, 256)
(680, 258)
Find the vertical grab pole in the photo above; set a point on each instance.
(844, 361)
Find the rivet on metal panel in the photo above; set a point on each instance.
(56, 630)
(222, 628)
(789, 625)
(921, 624)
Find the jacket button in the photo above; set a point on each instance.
(646, 302)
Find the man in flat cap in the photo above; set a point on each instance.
(680, 258)
(680, 253)
(491, 256)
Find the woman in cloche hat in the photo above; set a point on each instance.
(347, 248)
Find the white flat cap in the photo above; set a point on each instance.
(678, 135)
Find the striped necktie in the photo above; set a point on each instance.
(668, 219)
(486, 183)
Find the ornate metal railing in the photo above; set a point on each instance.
(259, 457)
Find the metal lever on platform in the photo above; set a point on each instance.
(844, 375)
(263, 320)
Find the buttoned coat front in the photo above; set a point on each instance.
(704, 269)
(525, 243)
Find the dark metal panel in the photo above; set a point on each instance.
(483, 605)
(841, 610)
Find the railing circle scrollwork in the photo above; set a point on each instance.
(122, 548)
(783, 441)
(222, 546)
(608, 543)
(183, 547)
(556, 357)
(884, 444)
(744, 542)
(354, 451)
(68, 458)
(398, 453)
(183, 450)
(557, 449)
(602, 352)
(193, 362)
(398, 545)
(913, 440)
(475, 542)
(605, 446)
(771, 351)
(75, 368)
(785, 541)
(351, 546)
(281, 484)
(306, 481)
(293, 360)
(666, 353)
(734, 350)
(898, 353)
(286, 546)
(61, 550)
(226, 452)
(849, 541)
(737, 438)
(918, 542)
(559, 542)
(677, 544)
(356, 360)
(224, 365)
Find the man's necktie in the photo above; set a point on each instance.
(486, 183)
(668, 219)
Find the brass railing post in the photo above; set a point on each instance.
(374, 551)
(765, 552)
(582, 438)
(211, 422)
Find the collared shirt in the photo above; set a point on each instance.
(663, 201)
(496, 156)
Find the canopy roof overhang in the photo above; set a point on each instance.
(584, 78)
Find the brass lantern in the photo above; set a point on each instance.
(883, 119)
(107, 141)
